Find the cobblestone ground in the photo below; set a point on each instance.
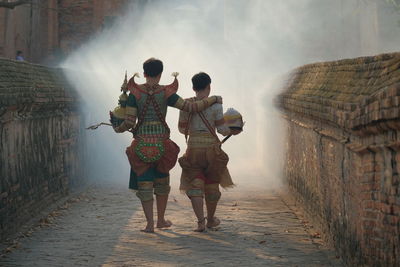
(101, 228)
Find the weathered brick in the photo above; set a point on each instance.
(370, 215)
(392, 199)
(377, 233)
(370, 204)
(15, 187)
(370, 167)
(396, 208)
(366, 196)
(386, 208)
(391, 219)
(26, 189)
(355, 184)
(367, 223)
(369, 187)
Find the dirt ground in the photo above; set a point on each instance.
(100, 227)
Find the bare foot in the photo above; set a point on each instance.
(201, 226)
(149, 229)
(214, 222)
(164, 224)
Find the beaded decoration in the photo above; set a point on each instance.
(150, 151)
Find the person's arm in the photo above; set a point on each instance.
(130, 115)
(196, 106)
(219, 122)
(183, 121)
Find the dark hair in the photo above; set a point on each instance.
(153, 67)
(200, 81)
(19, 52)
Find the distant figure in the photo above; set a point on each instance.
(19, 56)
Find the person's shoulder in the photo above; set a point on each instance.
(217, 106)
(192, 99)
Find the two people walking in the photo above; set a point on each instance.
(153, 154)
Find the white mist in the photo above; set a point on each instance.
(244, 45)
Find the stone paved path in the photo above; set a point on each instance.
(101, 228)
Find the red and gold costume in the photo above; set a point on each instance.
(204, 163)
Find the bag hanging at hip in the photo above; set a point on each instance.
(150, 149)
(219, 157)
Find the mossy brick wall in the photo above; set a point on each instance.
(343, 153)
(40, 141)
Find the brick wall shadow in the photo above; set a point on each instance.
(41, 141)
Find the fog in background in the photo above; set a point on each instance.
(247, 47)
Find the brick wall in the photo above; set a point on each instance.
(79, 21)
(48, 30)
(31, 28)
(40, 141)
(343, 153)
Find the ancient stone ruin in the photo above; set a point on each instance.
(40, 141)
(343, 153)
